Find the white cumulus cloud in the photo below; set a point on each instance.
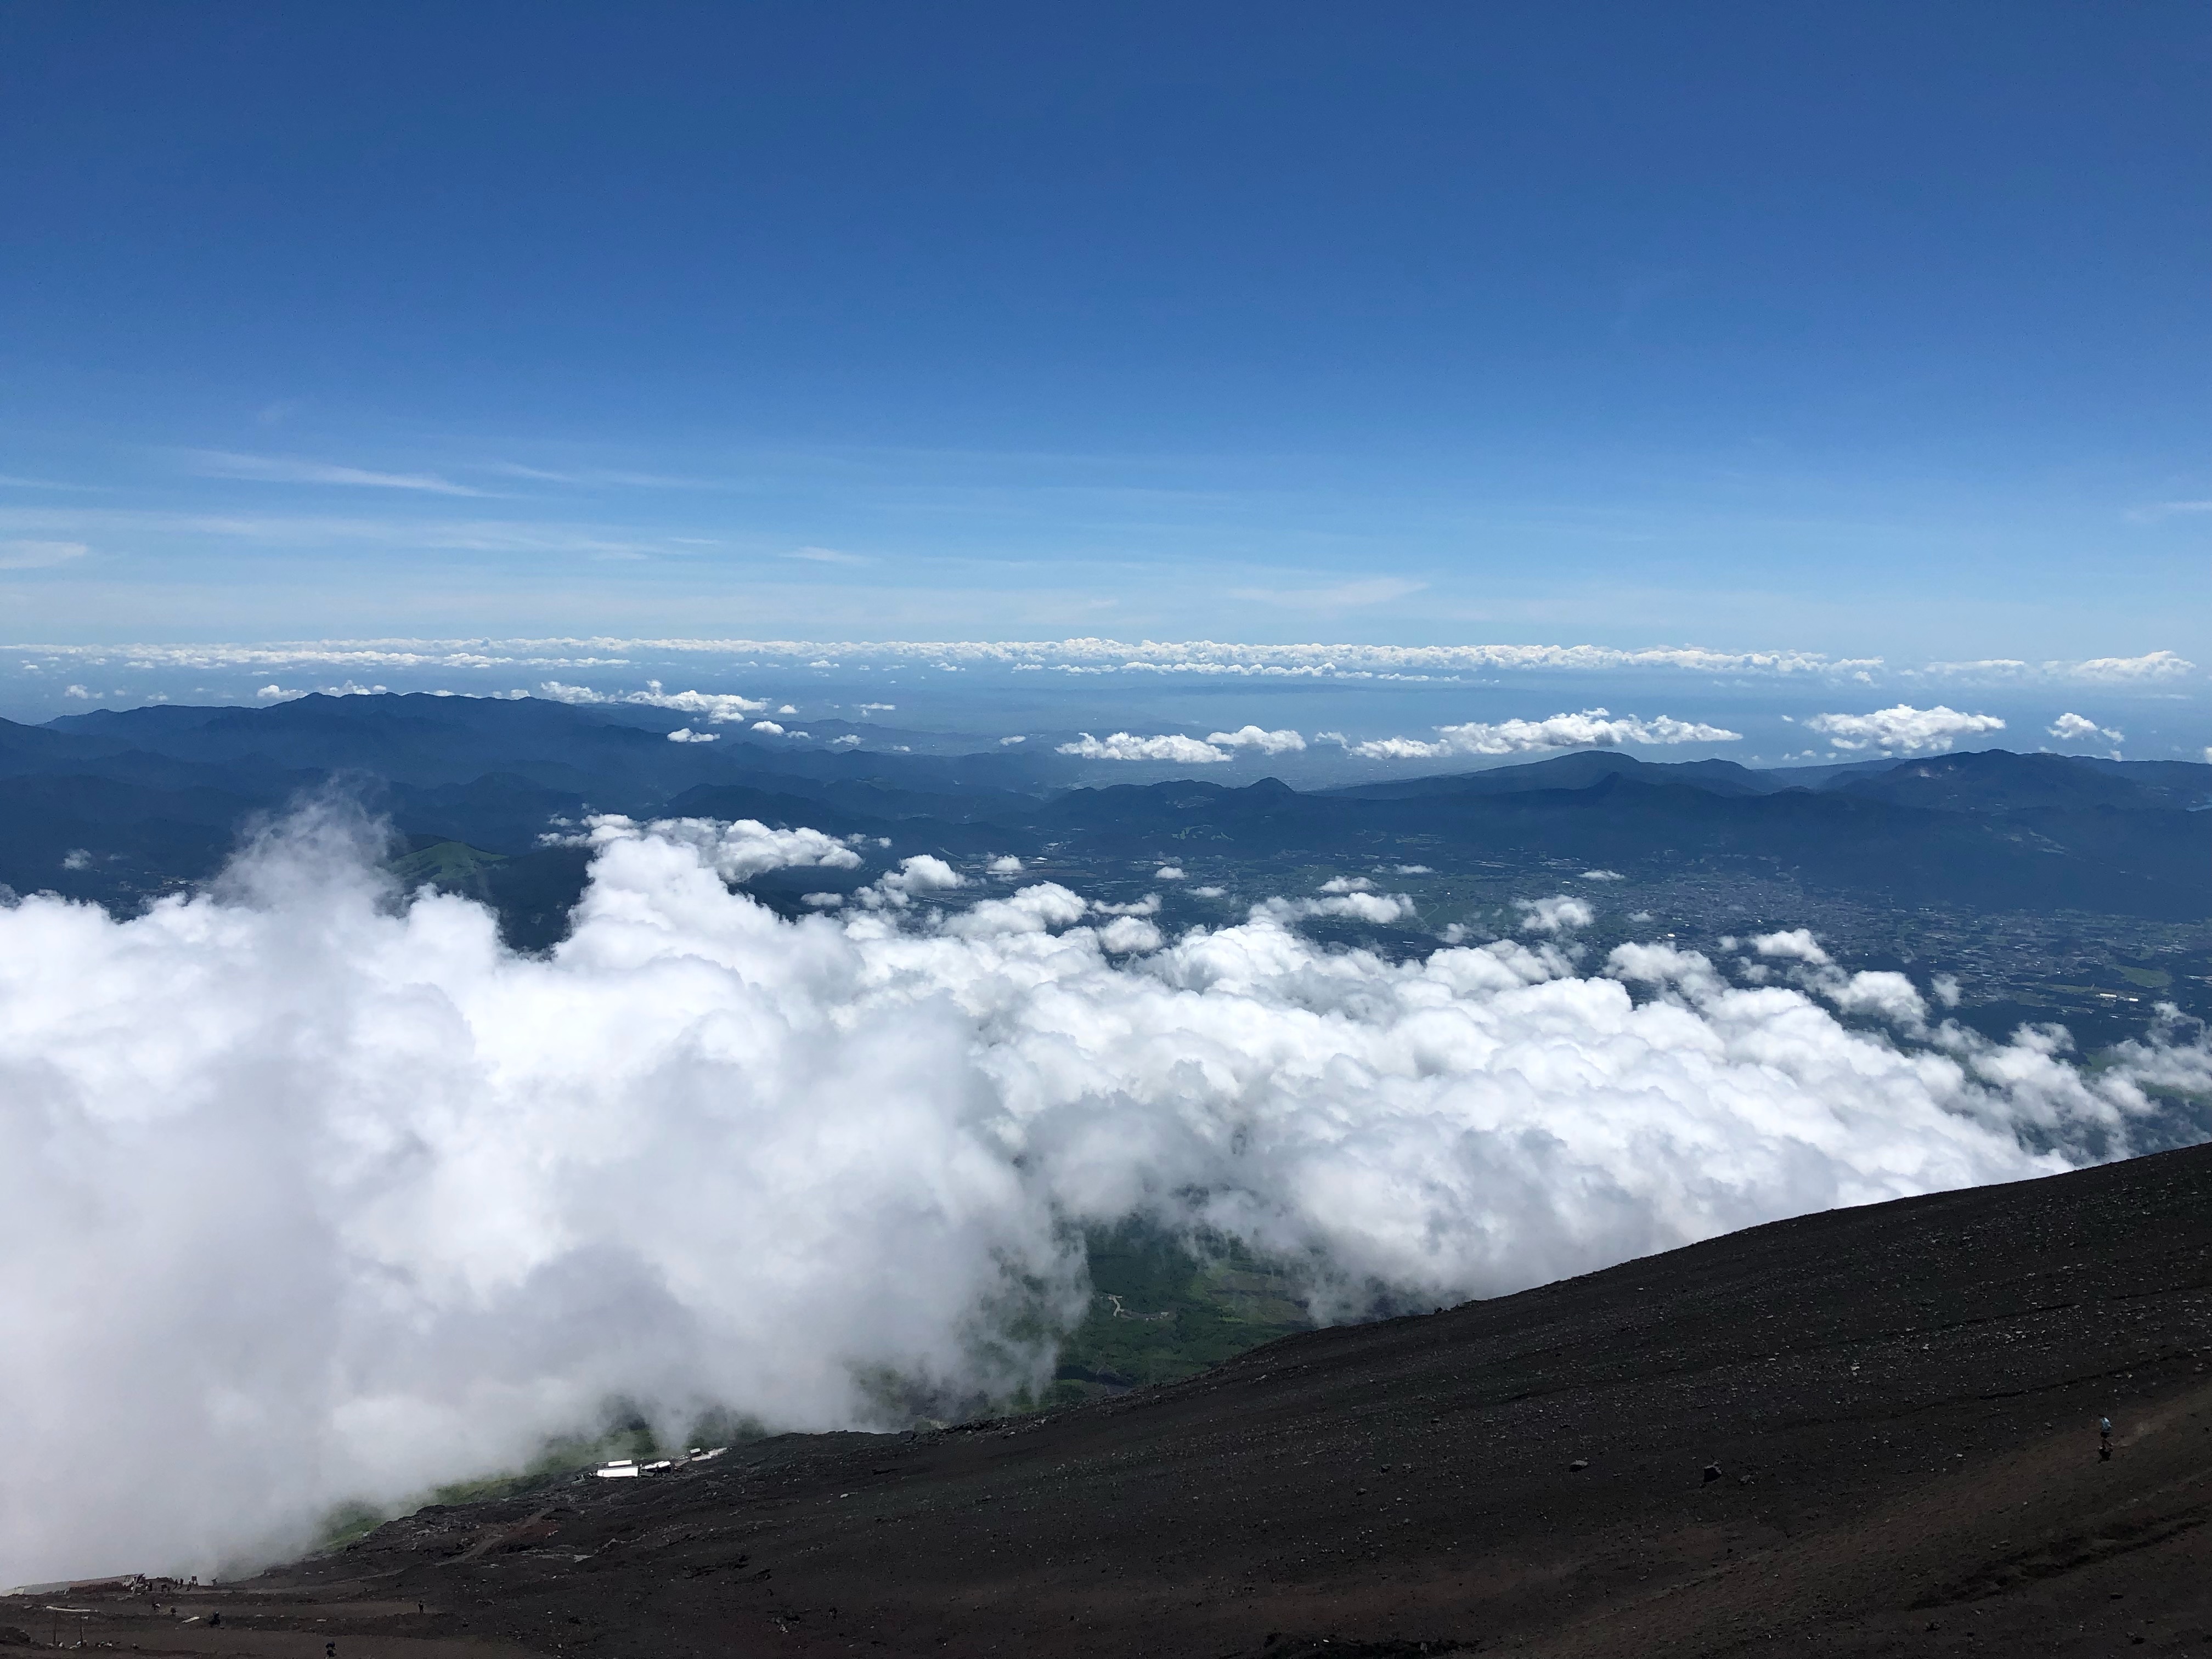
(1381, 910)
(735, 851)
(1903, 730)
(1557, 913)
(1252, 737)
(1126, 934)
(1147, 906)
(720, 708)
(924, 874)
(1794, 944)
(1593, 728)
(2080, 728)
(1126, 746)
(1036, 909)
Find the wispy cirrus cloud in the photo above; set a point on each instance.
(286, 469)
(2158, 510)
(301, 529)
(38, 555)
(1379, 590)
(592, 477)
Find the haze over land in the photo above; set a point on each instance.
(1307, 712)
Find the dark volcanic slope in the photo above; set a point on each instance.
(1901, 1401)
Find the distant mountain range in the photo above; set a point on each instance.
(118, 806)
(1991, 780)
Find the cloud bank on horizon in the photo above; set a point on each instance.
(1593, 728)
(1092, 655)
(334, 1196)
(1902, 730)
(1090, 697)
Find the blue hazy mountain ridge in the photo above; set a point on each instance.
(1587, 767)
(424, 739)
(120, 805)
(495, 771)
(1997, 780)
(1993, 780)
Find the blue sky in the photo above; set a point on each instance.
(1867, 330)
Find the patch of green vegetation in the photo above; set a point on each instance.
(1165, 1307)
(347, 1523)
(2150, 979)
(451, 864)
(627, 1435)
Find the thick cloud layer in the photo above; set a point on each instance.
(311, 1192)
